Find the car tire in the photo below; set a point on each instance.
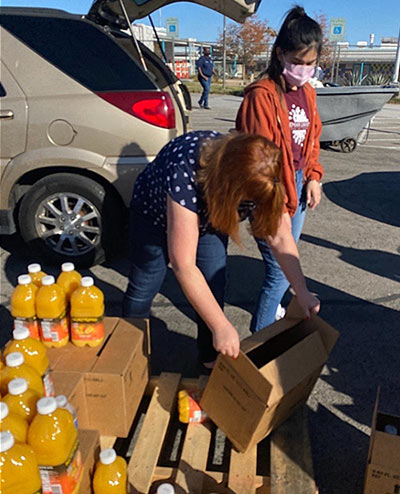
(67, 217)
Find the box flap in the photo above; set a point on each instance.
(123, 345)
(294, 366)
(144, 325)
(386, 451)
(260, 337)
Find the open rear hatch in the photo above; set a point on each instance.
(110, 12)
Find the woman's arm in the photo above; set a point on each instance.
(286, 253)
(183, 237)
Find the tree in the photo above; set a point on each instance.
(247, 40)
(328, 47)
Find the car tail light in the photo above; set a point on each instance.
(154, 107)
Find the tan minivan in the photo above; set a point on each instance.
(83, 107)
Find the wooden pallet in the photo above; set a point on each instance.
(190, 464)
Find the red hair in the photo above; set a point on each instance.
(240, 167)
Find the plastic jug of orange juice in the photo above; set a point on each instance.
(62, 402)
(23, 305)
(21, 400)
(110, 476)
(19, 471)
(36, 273)
(14, 423)
(35, 355)
(69, 279)
(87, 311)
(189, 408)
(51, 308)
(54, 438)
(16, 367)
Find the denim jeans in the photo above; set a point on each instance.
(275, 282)
(149, 261)
(206, 84)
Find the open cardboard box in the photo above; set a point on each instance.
(276, 370)
(115, 374)
(383, 469)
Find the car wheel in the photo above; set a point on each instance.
(71, 217)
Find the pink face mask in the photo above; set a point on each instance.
(297, 75)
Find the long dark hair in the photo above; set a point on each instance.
(297, 31)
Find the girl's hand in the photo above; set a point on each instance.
(226, 341)
(313, 190)
(309, 303)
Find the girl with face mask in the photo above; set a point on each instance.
(281, 105)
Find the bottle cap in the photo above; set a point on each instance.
(61, 401)
(391, 429)
(87, 281)
(34, 268)
(108, 456)
(21, 333)
(17, 386)
(46, 405)
(48, 280)
(165, 489)
(24, 279)
(14, 359)
(6, 441)
(3, 410)
(67, 266)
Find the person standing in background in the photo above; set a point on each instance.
(205, 70)
(281, 106)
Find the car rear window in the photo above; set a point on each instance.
(81, 50)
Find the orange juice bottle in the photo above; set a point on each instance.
(23, 305)
(16, 367)
(189, 408)
(54, 438)
(14, 423)
(110, 476)
(51, 307)
(62, 402)
(36, 273)
(21, 400)
(69, 279)
(87, 311)
(19, 471)
(35, 355)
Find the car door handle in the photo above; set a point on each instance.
(6, 114)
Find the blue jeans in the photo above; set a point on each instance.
(275, 283)
(206, 84)
(149, 258)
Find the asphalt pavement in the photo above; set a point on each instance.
(350, 254)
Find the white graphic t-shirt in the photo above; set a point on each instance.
(298, 121)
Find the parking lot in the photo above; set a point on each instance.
(350, 253)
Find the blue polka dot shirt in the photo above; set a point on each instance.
(173, 172)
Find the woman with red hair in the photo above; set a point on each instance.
(185, 206)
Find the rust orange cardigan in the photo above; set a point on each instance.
(264, 111)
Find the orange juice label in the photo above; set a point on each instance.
(63, 479)
(196, 413)
(87, 329)
(30, 323)
(48, 384)
(54, 330)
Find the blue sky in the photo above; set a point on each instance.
(363, 16)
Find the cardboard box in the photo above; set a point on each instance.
(383, 468)
(89, 444)
(115, 374)
(72, 386)
(276, 370)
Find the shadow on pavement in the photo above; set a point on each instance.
(374, 195)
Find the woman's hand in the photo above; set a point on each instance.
(309, 303)
(226, 341)
(313, 191)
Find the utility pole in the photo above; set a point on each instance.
(224, 54)
(397, 62)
